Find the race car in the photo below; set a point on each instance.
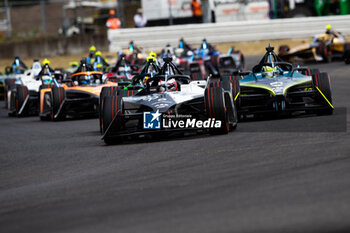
(3, 85)
(22, 92)
(134, 55)
(227, 64)
(12, 73)
(323, 48)
(74, 97)
(274, 86)
(168, 94)
(122, 72)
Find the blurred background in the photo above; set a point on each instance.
(35, 18)
(54, 27)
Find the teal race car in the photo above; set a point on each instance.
(274, 86)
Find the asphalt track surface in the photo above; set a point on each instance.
(285, 175)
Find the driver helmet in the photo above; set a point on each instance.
(74, 64)
(85, 79)
(171, 85)
(46, 79)
(152, 54)
(46, 62)
(268, 71)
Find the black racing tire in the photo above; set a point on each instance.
(346, 54)
(226, 84)
(235, 89)
(242, 62)
(106, 91)
(21, 95)
(324, 51)
(305, 71)
(215, 107)
(323, 92)
(215, 82)
(58, 96)
(111, 107)
(124, 92)
(8, 70)
(195, 71)
(315, 71)
(215, 61)
(44, 86)
(8, 85)
(184, 67)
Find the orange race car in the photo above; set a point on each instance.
(76, 97)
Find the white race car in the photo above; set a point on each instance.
(23, 97)
(181, 103)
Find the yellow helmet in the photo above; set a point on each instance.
(152, 54)
(73, 63)
(46, 62)
(92, 48)
(269, 68)
(328, 27)
(150, 59)
(98, 53)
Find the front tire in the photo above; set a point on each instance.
(321, 83)
(21, 95)
(58, 96)
(215, 106)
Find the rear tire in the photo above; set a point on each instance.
(106, 91)
(111, 107)
(324, 51)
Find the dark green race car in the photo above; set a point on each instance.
(274, 86)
